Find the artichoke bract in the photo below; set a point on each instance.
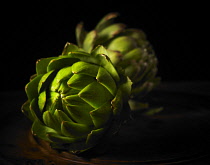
(77, 99)
(127, 48)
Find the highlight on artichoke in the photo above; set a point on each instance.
(127, 48)
(77, 100)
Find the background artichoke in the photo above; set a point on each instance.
(127, 48)
(76, 99)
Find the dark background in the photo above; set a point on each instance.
(177, 31)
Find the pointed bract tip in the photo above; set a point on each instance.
(111, 15)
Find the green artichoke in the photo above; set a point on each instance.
(77, 100)
(127, 48)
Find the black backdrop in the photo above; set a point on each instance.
(34, 30)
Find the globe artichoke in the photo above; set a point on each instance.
(77, 100)
(127, 48)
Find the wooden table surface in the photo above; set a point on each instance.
(177, 135)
